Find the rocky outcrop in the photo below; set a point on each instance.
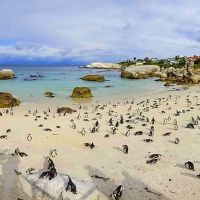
(81, 92)
(195, 79)
(140, 71)
(160, 74)
(65, 110)
(97, 78)
(49, 94)
(33, 77)
(180, 76)
(170, 76)
(56, 188)
(97, 65)
(128, 74)
(6, 74)
(7, 100)
(108, 86)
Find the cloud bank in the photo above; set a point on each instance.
(93, 30)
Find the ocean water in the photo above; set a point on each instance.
(62, 79)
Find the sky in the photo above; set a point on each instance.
(84, 31)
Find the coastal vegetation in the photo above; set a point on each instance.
(176, 62)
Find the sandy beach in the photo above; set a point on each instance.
(168, 178)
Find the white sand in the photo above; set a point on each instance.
(107, 159)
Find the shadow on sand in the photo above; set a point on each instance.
(190, 175)
(10, 184)
(133, 188)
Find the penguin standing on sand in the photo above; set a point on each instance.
(117, 194)
(29, 137)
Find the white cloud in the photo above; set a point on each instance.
(101, 30)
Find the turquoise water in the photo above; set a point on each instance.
(61, 80)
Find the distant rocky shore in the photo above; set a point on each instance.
(170, 75)
(97, 65)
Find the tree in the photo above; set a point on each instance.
(182, 62)
(177, 57)
(197, 61)
(146, 59)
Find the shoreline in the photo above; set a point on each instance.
(44, 102)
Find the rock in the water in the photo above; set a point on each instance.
(65, 110)
(56, 188)
(7, 100)
(108, 86)
(81, 92)
(49, 94)
(33, 77)
(6, 74)
(130, 75)
(97, 78)
(140, 71)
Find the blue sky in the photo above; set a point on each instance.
(81, 31)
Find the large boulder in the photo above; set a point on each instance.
(104, 66)
(128, 74)
(44, 188)
(6, 74)
(97, 78)
(195, 79)
(140, 71)
(81, 92)
(170, 69)
(65, 110)
(7, 100)
(160, 74)
(163, 75)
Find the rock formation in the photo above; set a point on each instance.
(33, 77)
(56, 188)
(180, 76)
(65, 110)
(97, 78)
(169, 75)
(195, 79)
(140, 71)
(81, 92)
(7, 100)
(49, 94)
(6, 74)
